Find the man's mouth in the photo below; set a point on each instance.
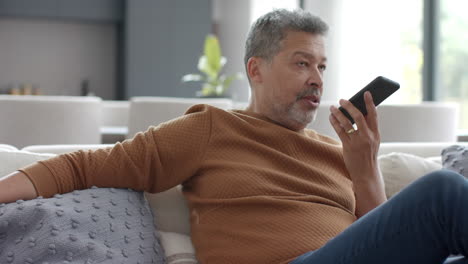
(312, 99)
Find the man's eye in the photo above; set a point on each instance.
(302, 63)
(322, 67)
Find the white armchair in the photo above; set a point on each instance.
(424, 122)
(148, 111)
(114, 125)
(33, 120)
(115, 113)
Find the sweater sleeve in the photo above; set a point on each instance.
(155, 160)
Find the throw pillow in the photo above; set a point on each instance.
(178, 248)
(455, 158)
(12, 160)
(400, 169)
(97, 225)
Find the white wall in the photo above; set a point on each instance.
(231, 21)
(57, 56)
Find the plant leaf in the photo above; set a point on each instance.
(205, 67)
(210, 64)
(213, 53)
(223, 62)
(208, 89)
(192, 78)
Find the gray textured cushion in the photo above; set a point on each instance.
(89, 226)
(455, 158)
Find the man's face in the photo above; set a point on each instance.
(289, 86)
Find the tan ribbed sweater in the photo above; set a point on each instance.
(258, 192)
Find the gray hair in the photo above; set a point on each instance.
(265, 35)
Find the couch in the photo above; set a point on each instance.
(401, 163)
(28, 120)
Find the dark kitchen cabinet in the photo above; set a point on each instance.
(163, 42)
(25, 8)
(104, 10)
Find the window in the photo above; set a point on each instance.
(380, 38)
(453, 51)
(386, 38)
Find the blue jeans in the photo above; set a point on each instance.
(424, 224)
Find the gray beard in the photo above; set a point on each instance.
(288, 113)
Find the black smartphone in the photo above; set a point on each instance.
(380, 88)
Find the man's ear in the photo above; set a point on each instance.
(253, 69)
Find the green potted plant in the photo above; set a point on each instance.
(215, 84)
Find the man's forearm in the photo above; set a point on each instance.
(16, 186)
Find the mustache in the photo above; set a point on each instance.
(309, 91)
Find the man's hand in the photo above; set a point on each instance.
(16, 186)
(360, 149)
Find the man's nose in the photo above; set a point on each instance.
(315, 78)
